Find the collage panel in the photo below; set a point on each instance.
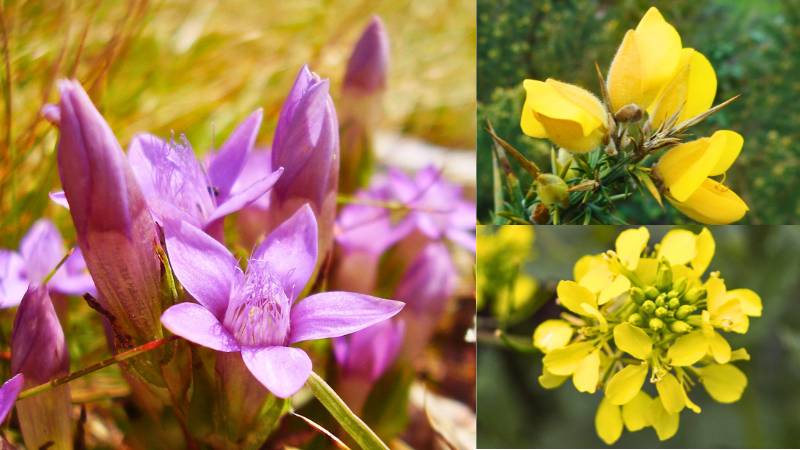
(638, 112)
(638, 337)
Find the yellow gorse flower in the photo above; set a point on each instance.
(568, 115)
(635, 312)
(653, 71)
(685, 170)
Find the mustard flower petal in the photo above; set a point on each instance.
(704, 251)
(593, 312)
(619, 286)
(571, 295)
(633, 340)
(664, 422)
(587, 373)
(690, 404)
(684, 167)
(564, 361)
(552, 334)
(749, 301)
(659, 47)
(740, 354)
(715, 294)
(597, 279)
(550, 381)
(626, 384)
(731, 317)
(635, 413)
(678, 246)
(587, 264)
(713, 204)
(671, 393)
(608, 422)
(688, 349)
(720, 348)
(630, 244)
(731, 143)
(646, 270)
(624, 82)
(723, 382)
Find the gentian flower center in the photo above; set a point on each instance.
(258, 313)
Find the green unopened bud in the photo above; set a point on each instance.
(636, 319)
(684, 311)
(679, 286)
(661, 300)
(661, 311)
(552, 190)
(648, 306)
(651, 292)
(695, 320)
(695, 294)
(637, 295)
(664, 277)
(670, 314)
(656, 324)
(680, 326)
(673, 303)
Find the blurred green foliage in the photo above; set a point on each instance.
(515, 411)
(754, 47)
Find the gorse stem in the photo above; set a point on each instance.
(119, 357)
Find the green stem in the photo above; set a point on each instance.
(58, 266)
(119, 357)
(352, 424)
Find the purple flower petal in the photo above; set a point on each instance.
(333, 314)
(371, 351)
(227, 165)
(9, 393)
(430, 280)
(257, 166)
(368, 64)
(246, 196)
(463, 238)
(171, 178)
(38, 349)
(13, 282)
(59, 198)
(195, 323)
(204, 267)
(42, 248)
(282, 370)
(291, 251)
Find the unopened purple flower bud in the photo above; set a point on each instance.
(39, 353)
(360, 108)
(306, 145)
(369, 62)
(116, 233)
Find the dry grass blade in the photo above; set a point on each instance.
(603, 88)
(322, 430)
(526, 164)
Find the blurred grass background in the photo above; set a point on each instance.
(515, 411)
(199, 67)
(754, 47)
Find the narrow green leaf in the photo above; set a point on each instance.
(352, 424)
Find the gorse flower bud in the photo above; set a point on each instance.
(552, 190)
(668, 333)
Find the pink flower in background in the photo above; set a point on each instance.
(369, 63)
(429, 281)
(255, 312)
(367, 354)
(40, 250)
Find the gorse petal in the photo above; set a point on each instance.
(633, 340)
(626, 384)
(624, 82)
(659, 47)
(723, 382)
(731, 143)
(713, 204)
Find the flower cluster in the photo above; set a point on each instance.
(635, 312)
(634, 135)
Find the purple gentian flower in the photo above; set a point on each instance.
(429, 281)
(8, 394)
(39, 353)
(178, 187)
(367, 354)
(306, 145)
(255, 312)
(40, 250)
(115, 231)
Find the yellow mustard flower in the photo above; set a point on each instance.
(644, 327)
(685, 172)
(570, 116)
(502, 251)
